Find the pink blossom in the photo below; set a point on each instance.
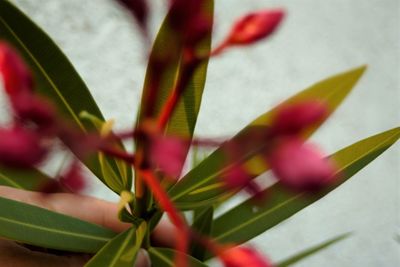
(168, 154)
(16, 76)
(31, 108)
(73, 179)
(293, 118)
(236, 178)
(243, 257)
(300, 165)
(20, 148)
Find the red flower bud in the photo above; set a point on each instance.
(300, 165)
(168, 154)
(20, 148)
(243, 257)
(291, 119)
(255, 26)
(16, 76)
(252, 28)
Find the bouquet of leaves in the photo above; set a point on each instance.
(53, 108)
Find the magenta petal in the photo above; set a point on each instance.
(73, 179)
(20, 148)
(301, 166)
(31, 108)
(292, 118)
(16, 76)
(168, 154)
(236, 178)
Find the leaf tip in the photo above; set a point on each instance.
(358, 72)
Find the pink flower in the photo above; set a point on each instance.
(16, 76)
(243, 257)
(73, 178)
(301, 166)
(31, 108)
(20, 148)
(168, 154)
(236, 178)
(293, 118)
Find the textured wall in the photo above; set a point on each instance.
(318, 38)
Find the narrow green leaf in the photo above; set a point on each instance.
(311, 251)
(55, 77)
(201, 186)
(169, 45)
(203, 219)
(40, 227)
(168, 48)
(248, 220)
(164, 257)
(23, 179)
(122, 250)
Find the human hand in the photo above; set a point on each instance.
(102, 212)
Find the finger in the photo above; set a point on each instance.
(142, 259)
(83, 207)
(17, 256)
(164, 235)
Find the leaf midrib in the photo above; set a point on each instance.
(162, 257)
(57, 231)
(121, 248)
(262, 214)
(16, 185)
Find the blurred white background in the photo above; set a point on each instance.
(317, 39)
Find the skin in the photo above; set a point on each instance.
(93, 210)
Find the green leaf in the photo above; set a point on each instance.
(168, 48)
(311, 251)
(55, 77)
(23, 179)
(40, 227)
(203, 219)
(164, 257)
(248, 220)
(122, 250)
(202, 186)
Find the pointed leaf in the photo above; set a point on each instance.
(168, 49)
(40, 227)
(54, 75)
(248, 220)
(311, 251)
(169, 46)
(164, 257)
(202, 186)
(121, 251)
(30, 180)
